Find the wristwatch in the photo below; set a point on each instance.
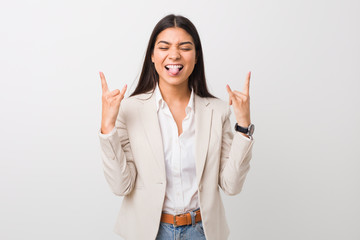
(249, 130)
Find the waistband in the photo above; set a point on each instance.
(188, 218)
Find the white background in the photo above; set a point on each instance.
(304, 55)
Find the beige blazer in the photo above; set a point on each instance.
(134, 166)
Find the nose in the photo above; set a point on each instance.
(174, 54)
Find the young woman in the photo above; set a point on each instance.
(169, 147)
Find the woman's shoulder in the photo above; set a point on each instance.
(130, 106)
(136, 100)
(218, 105)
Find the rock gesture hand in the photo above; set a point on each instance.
(241, 103)
(110, 105)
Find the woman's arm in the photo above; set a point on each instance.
(119, 167)
(236, 152)
(118, 163)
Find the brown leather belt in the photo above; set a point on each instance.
(180, 220)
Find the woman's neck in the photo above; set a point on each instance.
(175, 94)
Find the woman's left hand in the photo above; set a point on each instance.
(241, 103)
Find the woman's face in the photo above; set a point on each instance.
(174, 56)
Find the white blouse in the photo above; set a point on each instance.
(179, 154)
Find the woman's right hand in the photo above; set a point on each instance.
(110, 105)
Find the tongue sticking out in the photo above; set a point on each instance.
(174, 71)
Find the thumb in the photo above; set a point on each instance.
(228, 89)
(231, 94)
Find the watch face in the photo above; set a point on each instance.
(251, 129)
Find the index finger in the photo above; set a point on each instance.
(247, 84)
(104, 85)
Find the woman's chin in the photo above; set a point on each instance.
(174, 81)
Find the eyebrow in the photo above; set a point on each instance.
(182, 43)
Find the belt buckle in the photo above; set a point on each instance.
(175, 223)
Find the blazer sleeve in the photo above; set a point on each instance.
(236, 152)
(118, 163)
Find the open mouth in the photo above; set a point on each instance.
(174, 69)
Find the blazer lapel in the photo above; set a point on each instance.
(151, 126)
(203, 116)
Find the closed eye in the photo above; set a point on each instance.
(186, 49)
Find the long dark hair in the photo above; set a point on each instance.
(149, 77)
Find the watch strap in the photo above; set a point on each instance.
(241, 129)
